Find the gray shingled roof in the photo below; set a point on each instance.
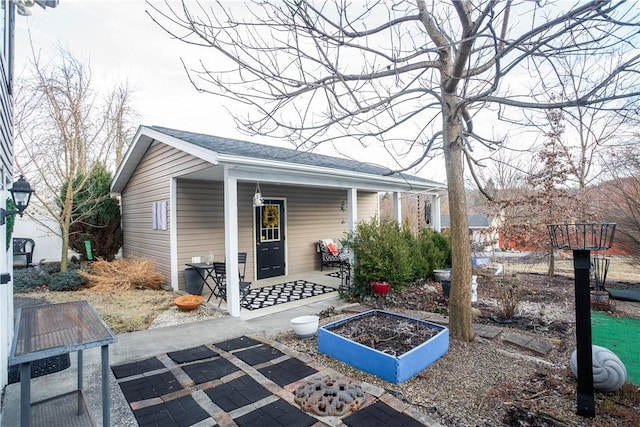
(475, 221)
(267, 152)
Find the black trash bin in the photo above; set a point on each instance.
(446, 287)
(193, 281)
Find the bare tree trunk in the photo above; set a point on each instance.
(65, 221)
(552, 263)
(460, 297)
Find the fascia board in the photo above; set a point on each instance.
(330, 178)
(263, 170)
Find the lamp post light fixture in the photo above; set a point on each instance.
(21, 194)
(582, 238)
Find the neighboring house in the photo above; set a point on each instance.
(184, 194)
(7, 177)
(482, 231)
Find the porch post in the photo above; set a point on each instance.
(435, 213)
(397, 207)
(173, 232)
(231, 243)
(352, 200)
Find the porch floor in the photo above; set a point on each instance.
(318, 277)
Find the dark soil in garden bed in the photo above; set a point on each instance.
(388, 334)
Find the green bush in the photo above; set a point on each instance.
(385, 251)
(435, 253)
(29, 279)
(66, 281)
(51, 267)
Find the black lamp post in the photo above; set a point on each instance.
(583, 238)
(21, 195)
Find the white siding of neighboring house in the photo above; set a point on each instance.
(48, 244)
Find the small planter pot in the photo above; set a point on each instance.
(440, 275)
(305, 326)
(381, 288)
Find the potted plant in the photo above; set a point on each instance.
(380, 287)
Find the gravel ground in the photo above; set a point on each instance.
(485, 382)
(472, 384)
(175, 316)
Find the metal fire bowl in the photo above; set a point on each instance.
(328, 397)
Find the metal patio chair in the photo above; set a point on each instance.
(220, 269)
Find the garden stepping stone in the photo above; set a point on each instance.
(203, 372)
(236, 343)
(192, 354)
(287, 371)
(380, 414)
(222, 390)
(183, 411)
(235, 394)
(149, 387)
(257, 355)
(487, 331)
(527, 342)
(137, 368)
(278, 413)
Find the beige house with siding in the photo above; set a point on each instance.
(184, 194)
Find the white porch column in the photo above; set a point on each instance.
(231, 243)
(352, 214)
(173, 233)
(435, 213)
(397, 208)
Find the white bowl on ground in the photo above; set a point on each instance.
(305, 326)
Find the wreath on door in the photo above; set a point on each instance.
(270, 216)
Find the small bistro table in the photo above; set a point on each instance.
(207, 273)
(55, 329)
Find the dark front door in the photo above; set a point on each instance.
(270, 239)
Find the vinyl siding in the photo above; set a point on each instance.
(311, 214)
(151, 183)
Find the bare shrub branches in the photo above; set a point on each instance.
(123, 275)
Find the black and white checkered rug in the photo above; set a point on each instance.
(338, 274)
(282, 293)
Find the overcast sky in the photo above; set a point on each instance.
(122, 43)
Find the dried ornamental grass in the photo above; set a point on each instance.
(124, 274)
